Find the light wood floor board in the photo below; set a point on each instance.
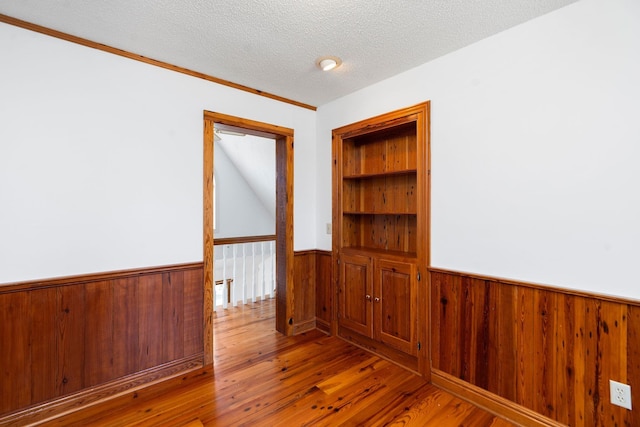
(262, 378)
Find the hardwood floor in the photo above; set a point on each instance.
(265, 379)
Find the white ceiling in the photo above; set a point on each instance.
(272, 45)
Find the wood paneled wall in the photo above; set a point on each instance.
(304, 274)
(62, 336)
(324, 298)
(304, 301)
(550, 350)
(312, 278)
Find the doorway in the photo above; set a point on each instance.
(284, 217)
(244, 218)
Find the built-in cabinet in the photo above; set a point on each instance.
(380, 234)
(377, 297)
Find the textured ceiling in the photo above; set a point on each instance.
(272, 45)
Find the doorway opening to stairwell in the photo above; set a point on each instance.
(244, 197)
(279, 266)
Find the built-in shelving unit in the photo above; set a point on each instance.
(380, 233)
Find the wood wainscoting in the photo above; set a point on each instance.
(312, 277)
(69, 341)
(324, 298)
(550, 350)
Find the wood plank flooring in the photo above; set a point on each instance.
(262, 378)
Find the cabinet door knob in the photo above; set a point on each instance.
(367, 297)
(376, 299)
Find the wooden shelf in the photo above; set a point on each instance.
(376, 213)
(380, 252)
(382, 152)
(380, 174)
(380, 231)
(384, 194)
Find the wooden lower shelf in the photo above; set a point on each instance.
(377, 213)
(381, 253)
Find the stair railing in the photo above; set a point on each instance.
(244, 270)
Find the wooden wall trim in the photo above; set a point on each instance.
(248, 126)
(285, 264)
(115, 51)
(323, 326)
(305, 326)
(491, 402)
(207, 237)
(566, 291)
(93, 277)
(244, 239)
(85, 398)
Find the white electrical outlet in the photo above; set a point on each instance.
(328, 228)
(620, 394)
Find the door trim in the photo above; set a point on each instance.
(284, 218)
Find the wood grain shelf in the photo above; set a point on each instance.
(378, 213)
(379, 174)
(380, 252)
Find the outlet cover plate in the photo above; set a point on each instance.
(620, 394)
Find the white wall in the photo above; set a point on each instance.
(239, 211)
(101, 159)
(535, 137)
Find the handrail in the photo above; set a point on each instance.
(244, 239)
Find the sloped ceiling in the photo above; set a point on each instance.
(255, 159)
(273, 45)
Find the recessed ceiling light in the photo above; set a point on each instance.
(327, 63)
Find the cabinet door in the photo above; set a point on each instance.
(395, 305)
(354, 294)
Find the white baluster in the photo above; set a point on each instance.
(253, 272)
(264, 277)
(224, 276)
(232, 286)
(244, 275)
(247, 269)
(272, 282)
(216, 275)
